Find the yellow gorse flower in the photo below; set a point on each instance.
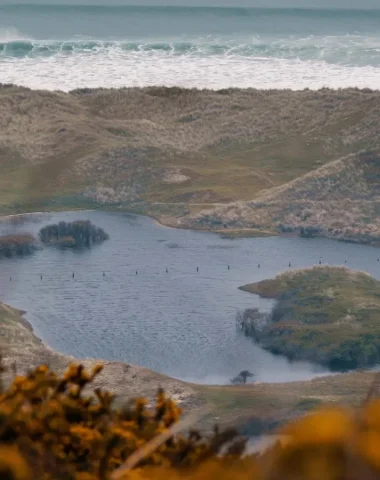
(50, 430)
(12, 464)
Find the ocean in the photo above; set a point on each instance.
(72, 46)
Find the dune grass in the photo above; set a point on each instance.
(253, 160)
(117, 146)
(258, 408)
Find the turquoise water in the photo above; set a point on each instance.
(181, 323)
(69, 46)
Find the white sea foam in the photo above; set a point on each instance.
(116, 68)
(111, 46)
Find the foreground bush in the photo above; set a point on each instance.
(52, 428)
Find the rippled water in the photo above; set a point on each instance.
(181, 323)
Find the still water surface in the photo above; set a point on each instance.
(181, 323)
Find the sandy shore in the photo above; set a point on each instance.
(22, 348)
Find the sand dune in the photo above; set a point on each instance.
(292, 158)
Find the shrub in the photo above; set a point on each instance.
(11, 245)
(78, 233)
(52, 429)
(242, 377)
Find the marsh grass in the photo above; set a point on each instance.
(330, 315)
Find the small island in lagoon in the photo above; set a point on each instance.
(17, 245)
(327, 315)
(80, 233)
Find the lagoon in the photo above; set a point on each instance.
(180, 323)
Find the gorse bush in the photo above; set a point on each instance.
(50, 428)
(53, 427)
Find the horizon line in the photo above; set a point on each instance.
(204, 7)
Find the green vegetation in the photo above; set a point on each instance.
(17, 245)
(74, 234)
(329, 315)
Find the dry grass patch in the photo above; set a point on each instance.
(118, 146)
(339, 200)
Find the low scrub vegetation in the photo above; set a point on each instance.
(242, 377)
(330, 315)
(74, 234)
(17, 245)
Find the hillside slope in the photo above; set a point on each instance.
(175, 152)
(338, 200)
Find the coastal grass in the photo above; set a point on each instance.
(330, 315)
(173, 145)
(338, 200)
(260, 407)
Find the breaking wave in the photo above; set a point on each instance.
(71, 46)
(344, 50)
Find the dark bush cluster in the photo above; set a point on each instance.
(72, 234)
(17, 245)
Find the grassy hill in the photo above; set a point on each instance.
(289, 159)
(330, 315)
(338, 200)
